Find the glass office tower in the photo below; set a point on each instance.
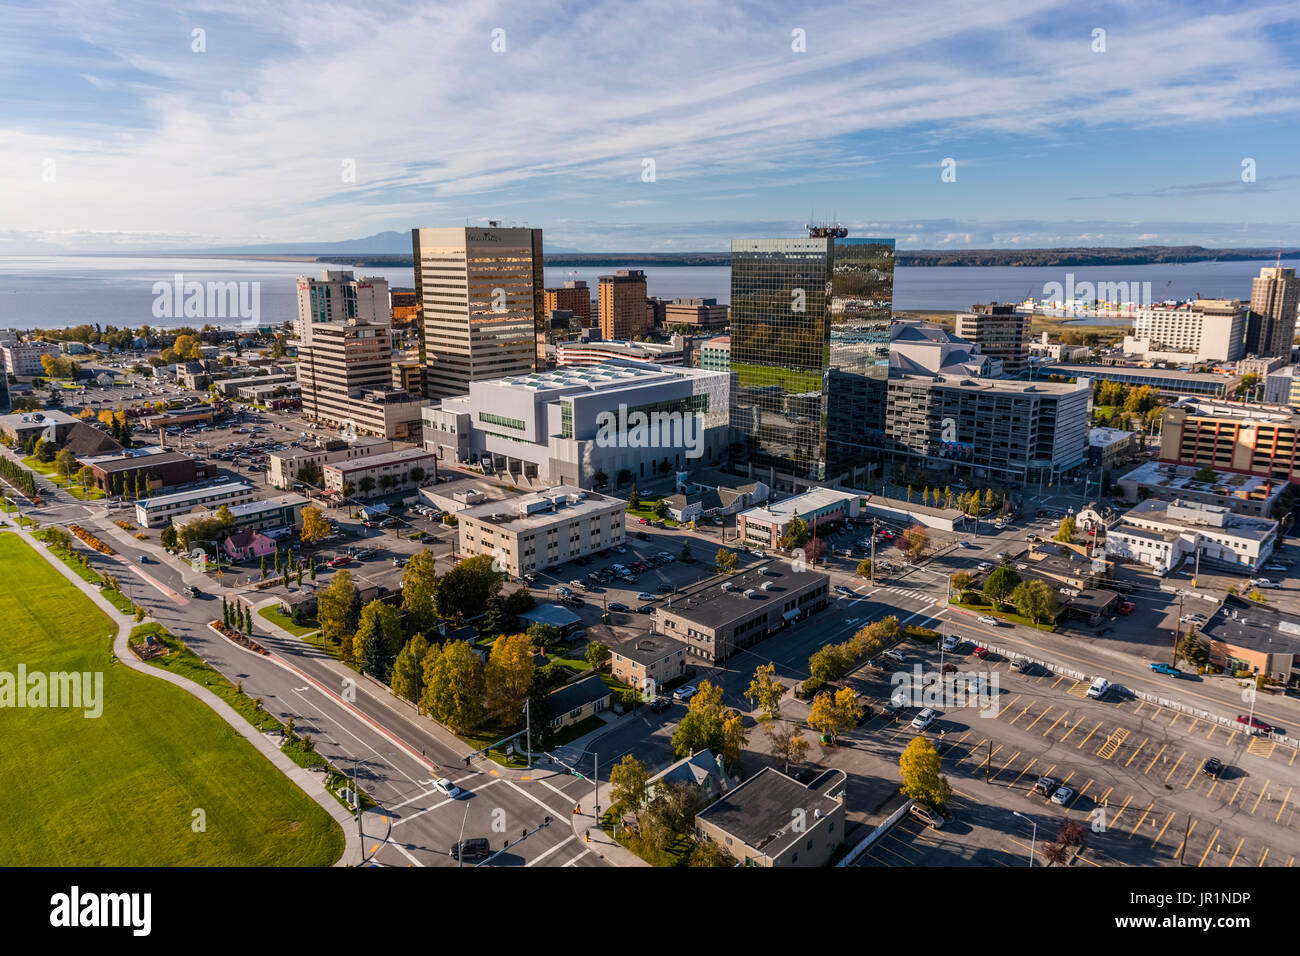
(802, 309)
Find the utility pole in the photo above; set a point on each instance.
(595, 785)
(873, 550)
(528, 730)
(1178, 631)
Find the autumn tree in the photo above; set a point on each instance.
(917, 541)
(726, 560)
(766, 691)
(864, 568)
(420, 593)
(788, 743)
(338, 613)
(962, 580)
(508, 676)
(919, 766)
(701, 728)
(628, 782)
(378, 638)
(1036, 600)
(832, 714)
(1067, 530)
(315, 528)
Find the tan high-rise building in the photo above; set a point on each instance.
(574, 296)
(999, 331)
(1274, 297)
(339, 297)
(345, 371)
(481, 302)
(624, 309)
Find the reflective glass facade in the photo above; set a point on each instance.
(800, 309)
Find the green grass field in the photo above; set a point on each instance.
(121, 789)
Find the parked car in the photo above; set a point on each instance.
(1024, 666)
(659, 705)
(1213, 768)
(685, 693)
(1126, 607)
(927, 816)
(951, 643)
(980, 653)
(1254, 723)
(1045, 786)
(1264, 583)
(645, 596)
(192, 591)
(893, 655)
(1063, 795)
(924, 719)
(617, 606)
(1099, 688)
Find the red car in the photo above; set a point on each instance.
(340, 561)
(642, 521)
(1254, 723)
(1092, 532)
(1126, 607)
(980, 652)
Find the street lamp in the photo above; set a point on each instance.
(1033, 840)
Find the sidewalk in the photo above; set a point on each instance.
(308, 782)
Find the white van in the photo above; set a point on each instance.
(1099, 688)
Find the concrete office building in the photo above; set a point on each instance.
(23, 359)
(374, 475)
(1170, 383)
(339, 297)
(534, 532)
(229, 387)
(704, 315)
(283, 466)
(1205, 330)
(725, 614)
(1274, 297)
(715, 354)
(545, 428)
(1000, 332)
(1282, 387)
(482, 302)
(281, 511)
(160, 510)
(764, 527)
(1245, 635)
(623, 308)
(1229, 436)
(345, 372)
(1164, 534)
(583, 352)
(574, 296)
(1108, 447)
(1009, 430)
(1240, 494)
(1260, 367)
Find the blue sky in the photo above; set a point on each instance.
(120, 136)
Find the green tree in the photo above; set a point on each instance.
(366, 484)
(726, 561)
(628, 781)
(919, 767)
(420, 593)
(65, 463)
(661, 509)
(453, 686)
(1000, 583)
(1193, 650)
(596, 654)
(706, 853)
(633, 499)
(408, 669)
(168, 537)
(378, 637)
(543, 635)
(494, 620)
(702, 727)
(464, 590)
(1204, 474)
(1036, 600)
(796, 534)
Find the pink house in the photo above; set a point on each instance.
(249, 544)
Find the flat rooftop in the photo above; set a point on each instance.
(997, 385)
(646, 648)
(1253, 626)
(1240, 526)
(813, 500)
(759, 811)
(1105, 371)
(708, 605)
(293, 454)
(178, 497)
(367, 462)
(267, 504)
(562, 503)
(1229, 484)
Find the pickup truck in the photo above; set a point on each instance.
(1161, 667)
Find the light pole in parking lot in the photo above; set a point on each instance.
(1033, 840)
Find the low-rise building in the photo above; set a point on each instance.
(375, 475)
(283, 466)
(1108, 447)
(1247, 636)
(715, 354)
(587, 352)
(709, 495)
(157, 511)
(1247, 439)
(156, 468)
(52, 425)
(1170, 383)
(282, 511)
(1240, 494)
(728, 613)
(774, 820)
(764, 527)
(647, 662)
(538, 531)
(574, 703)
(1162, 534)
(248, 545)
(230, 387)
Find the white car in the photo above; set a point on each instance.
(645, 596)
(447, 788)
(950, 643)
(685, 693)
(1062, 795)
(984, 566)
(1099, 688)
(990, 621)
(924, 719)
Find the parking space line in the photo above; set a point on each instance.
(1138, 709)
(1022, 773)
(1080, 689)
(1071, 730)
(1154, 759)
(1210, 847)
(1192, 779)
(1210, 735)
(1055, 722)
(1010, 703)
(1058, 680)
(1089, 737)
(1261, 747)
(1021, 714)
(1195, 721)
(1263, 856)
(1103, 798)
(1149, 808)
(1240, 784)
(1235, 852)
(1294, 751)
(1115, 819)
(1175, 767)
(1262, 791)
(1162, 829)
(1005, 765)
(1187, 835)
(1175, 720)
(1136, 752)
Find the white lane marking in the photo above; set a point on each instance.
(577, 858)
(538, 859)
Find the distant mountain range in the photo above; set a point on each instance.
(381, 244)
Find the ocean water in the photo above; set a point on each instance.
(44, 292)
